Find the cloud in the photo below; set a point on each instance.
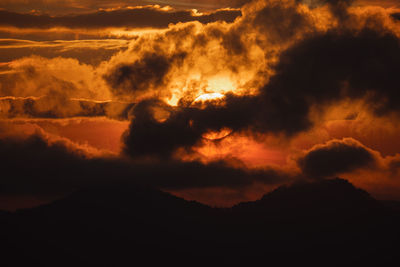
(100, 133)
(240, 53)
(266, 18)
(334, 66)
(336, 157)
(57, 77)
(344, 63)
(54, 166)
(184, 50)
(137, 17)
(86, 51)
(46, 163)
(61, 107)
(338, 7)
(361, 67)
(184, 126)
(145, 74)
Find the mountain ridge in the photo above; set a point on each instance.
(88, 228)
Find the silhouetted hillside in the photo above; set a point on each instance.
(121, 225)
(125, 200)
(324, 197)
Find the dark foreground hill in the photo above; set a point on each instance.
(325, 223)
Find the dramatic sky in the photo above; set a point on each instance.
(214, 101)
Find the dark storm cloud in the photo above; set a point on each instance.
(335, 66)
(147, 72)
(148, 136)
(335, 157)
(146, 17)
(36, 165)
(185, 126)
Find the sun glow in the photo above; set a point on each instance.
(208, 97)
(196, 89)
(221, 85)
(217, 135)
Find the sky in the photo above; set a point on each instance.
(214, 101)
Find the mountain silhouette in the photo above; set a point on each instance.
(328, 221)
(324, 197)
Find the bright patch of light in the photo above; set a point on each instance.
(221, 85)
(215, 135)
(208, 97)
(131, 33)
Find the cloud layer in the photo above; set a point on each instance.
(138, 17)
(56, 166)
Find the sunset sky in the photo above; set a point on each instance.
(214, 101)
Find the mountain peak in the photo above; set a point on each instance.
(323, 196)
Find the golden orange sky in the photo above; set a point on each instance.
(232, 84)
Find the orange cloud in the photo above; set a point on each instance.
(100, 134)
